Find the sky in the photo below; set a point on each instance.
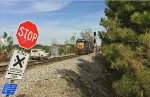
(55, 19)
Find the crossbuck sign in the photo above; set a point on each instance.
(17, 65)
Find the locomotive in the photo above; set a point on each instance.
(84, 47)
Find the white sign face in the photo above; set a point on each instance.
(17, 65)
(54, 51)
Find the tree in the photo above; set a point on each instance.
(125, 45)
(132, 14)
(70, 44)
(7, 40)
(87, 34)
(67, 42)
(7, 46)
(73, 39)
(54, 42)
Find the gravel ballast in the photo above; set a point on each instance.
(76, 77)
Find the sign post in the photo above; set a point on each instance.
(27, 35)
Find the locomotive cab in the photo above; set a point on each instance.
(82, 46)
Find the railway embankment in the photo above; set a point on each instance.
(82, 76)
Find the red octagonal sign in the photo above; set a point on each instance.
(27, 35)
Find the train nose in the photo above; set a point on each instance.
(80, 46)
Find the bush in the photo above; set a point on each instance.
(127, 87)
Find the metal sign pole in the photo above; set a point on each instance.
(15, 71)
(11, 81)
(18, 58)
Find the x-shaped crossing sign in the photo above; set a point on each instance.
(19, 61)
(17, 65)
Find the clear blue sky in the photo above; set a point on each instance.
(57, 19)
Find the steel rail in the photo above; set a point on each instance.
(41, 62)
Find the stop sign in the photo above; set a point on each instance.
(27, 34)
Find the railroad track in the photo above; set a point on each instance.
(41, 62)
